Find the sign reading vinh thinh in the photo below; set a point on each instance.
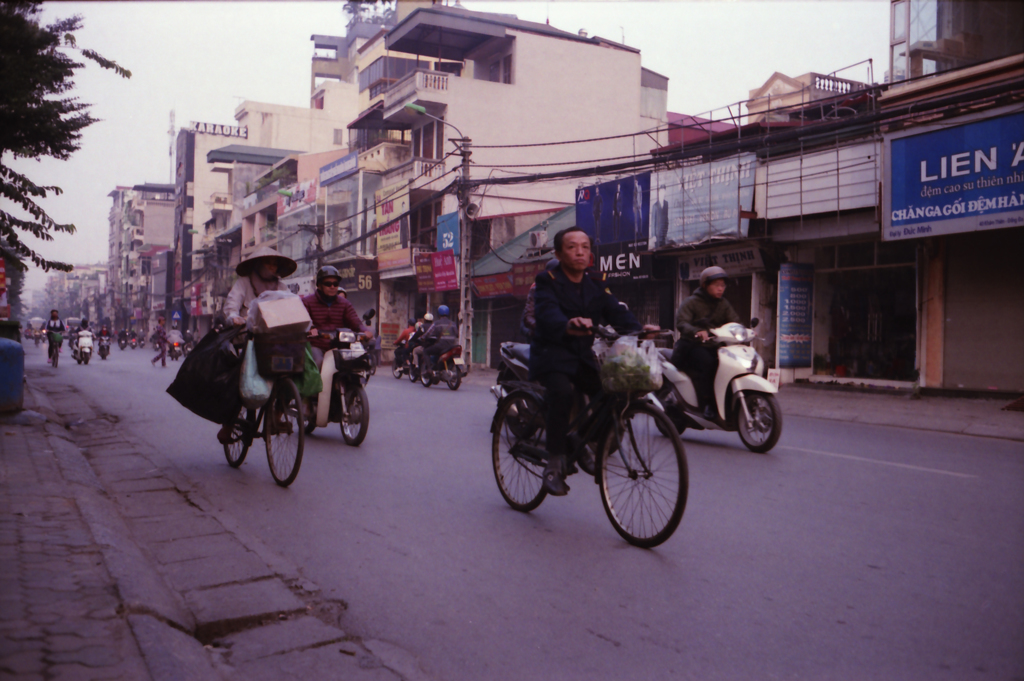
(955, 179)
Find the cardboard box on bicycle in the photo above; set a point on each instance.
(282, 317)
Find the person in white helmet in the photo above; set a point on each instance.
(705, 309)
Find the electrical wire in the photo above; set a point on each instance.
(658, 128)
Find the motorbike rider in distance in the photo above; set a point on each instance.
(402, 350)
(442, 336)
(705, 309)
(330, 312)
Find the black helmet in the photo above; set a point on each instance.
(325, 272)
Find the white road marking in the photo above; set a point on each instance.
(884, 463)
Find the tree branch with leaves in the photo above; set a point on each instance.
(38, 117)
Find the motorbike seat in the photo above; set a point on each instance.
(520, 352)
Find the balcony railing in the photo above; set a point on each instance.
(420, 169)
(420, 80)
(221, 201)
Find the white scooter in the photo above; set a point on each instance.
(744, 400)
(82, 350)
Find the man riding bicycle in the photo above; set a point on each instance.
(570, 300)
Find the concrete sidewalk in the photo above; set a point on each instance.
(967, 416)
(118, 569)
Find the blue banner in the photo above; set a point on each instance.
(448, 232)
(959, 179)
(796, 314)
(617, 211)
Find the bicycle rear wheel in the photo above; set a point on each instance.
(284, 431)
(518, 424)
(644, 478)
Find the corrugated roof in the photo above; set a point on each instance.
(243, 153)
(501, 258)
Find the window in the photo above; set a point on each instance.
(339, 136)
(494, 75)
(318, 103)
(428, 140)
(932, 36)
(506, 69)
(417, 135)
(440, 141)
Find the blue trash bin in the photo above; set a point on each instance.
(12, 375)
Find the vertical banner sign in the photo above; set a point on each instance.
(424, 272)
(388, 335)
(616, 217)
(445, 276)
(796, 308)
(392, 202)
(956, 179)
(448, 232)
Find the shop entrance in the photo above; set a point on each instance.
(870, 323)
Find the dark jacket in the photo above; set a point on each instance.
(528, 322)
(330, 315)
(558, 300)
(701, 307)
(444, 334)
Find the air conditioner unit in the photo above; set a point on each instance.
(539, 239)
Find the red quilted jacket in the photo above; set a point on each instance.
(331, 316)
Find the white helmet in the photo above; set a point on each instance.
(428, 317)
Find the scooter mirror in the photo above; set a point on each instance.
(754, 322)
(368, 315)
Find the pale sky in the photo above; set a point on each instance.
(202, 59)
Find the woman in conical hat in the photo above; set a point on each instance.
(261, 271)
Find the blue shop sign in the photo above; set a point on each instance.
(448, 232)
(796, 314)
(956, 179)
(340, 169)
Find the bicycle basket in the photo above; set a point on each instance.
(280, 354)
(627, 368)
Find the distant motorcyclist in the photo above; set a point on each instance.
(706, 309)
(442, 336)
(330, 312)
(402, 350)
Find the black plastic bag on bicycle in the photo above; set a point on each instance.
(207, 382)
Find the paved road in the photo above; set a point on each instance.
(849, 552)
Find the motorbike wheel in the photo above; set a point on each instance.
(56, 356)
(86, 358)
(454, 377)
(414, 375)
(355, 425)
(425, 379)
(764, 428)
(241, 434)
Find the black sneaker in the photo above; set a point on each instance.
(554, 478)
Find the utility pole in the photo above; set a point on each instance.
(465, 241)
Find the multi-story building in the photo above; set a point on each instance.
(519, 90)
(141, 225)
(872, 228)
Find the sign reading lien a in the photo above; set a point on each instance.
(963, 178)
(796, 307)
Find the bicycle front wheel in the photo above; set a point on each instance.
(518, 425)
(284, 431)
(644, 478)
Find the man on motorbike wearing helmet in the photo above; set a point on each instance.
(705, 309)
(439, 338)
(330, 312)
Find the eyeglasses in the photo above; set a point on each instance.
(328, 284)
